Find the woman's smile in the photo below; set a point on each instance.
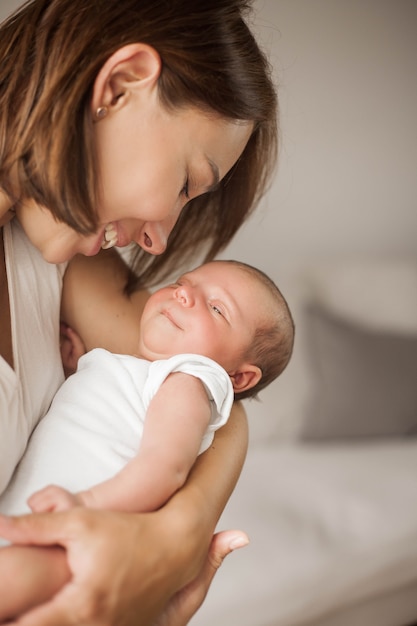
(109, 236)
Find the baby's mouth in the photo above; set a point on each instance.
(109, 237)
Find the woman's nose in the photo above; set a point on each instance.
(155, 234)
(154, 237)
(184, 295)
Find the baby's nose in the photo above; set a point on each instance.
(184, 295)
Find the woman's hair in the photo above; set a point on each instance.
(272, 346)
(50, 54)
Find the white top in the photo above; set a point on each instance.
(95, 422)
(26, 392)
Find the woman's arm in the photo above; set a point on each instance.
(126, 567)
(95, 305)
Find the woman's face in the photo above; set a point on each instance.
(151, 162)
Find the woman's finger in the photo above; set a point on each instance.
(54, 613)
(38, 529)
(98, 545)
(188, 600)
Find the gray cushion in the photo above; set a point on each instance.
(365, 381)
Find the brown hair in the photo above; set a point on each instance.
(272, 346)
(50, 54)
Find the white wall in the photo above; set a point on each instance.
(346, 182)
(7, 6)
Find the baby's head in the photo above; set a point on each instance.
(228, 311)
(273, 340)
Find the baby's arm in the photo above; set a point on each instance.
(175, 423)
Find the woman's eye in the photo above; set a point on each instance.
(184, 190)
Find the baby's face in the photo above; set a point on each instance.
(213, 310)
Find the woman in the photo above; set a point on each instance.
(122, 121)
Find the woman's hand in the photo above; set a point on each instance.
(133, 569)
(184, 604)
(107, 588)
(111, 584)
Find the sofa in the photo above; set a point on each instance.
(328, 493)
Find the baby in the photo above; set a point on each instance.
(124, 431)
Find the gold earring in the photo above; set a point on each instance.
(101, 112)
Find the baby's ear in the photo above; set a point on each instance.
(246, 377)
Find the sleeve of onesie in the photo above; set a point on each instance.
(215, 379)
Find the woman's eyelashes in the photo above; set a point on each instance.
(185, 189)
(194, 186)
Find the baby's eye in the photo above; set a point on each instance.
(216, 309)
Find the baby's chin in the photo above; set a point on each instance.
(146, 351)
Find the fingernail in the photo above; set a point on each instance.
(238, 542)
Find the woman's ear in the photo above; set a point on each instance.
(246, 377)
(134, 66)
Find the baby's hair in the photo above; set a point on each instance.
(273, 342)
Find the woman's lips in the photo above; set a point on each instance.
(109, 237)
(95, 249)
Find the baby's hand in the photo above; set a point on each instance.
(53, 498)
